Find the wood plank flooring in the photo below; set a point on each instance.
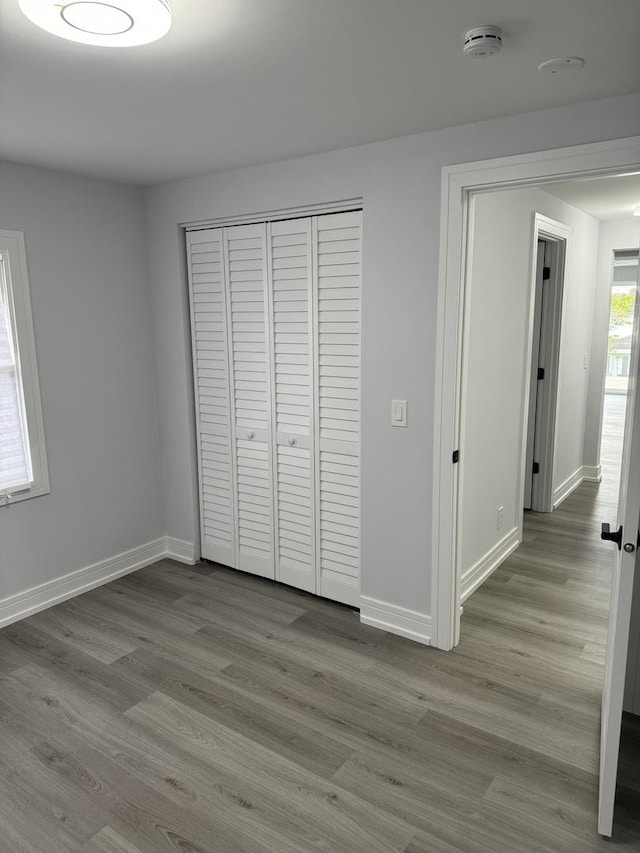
(204, 711)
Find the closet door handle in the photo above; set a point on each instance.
(251, 435)
(293, 442)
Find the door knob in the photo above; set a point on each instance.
(612, 535)
(251, 435)
(292, 442)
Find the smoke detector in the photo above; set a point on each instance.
(482, 41)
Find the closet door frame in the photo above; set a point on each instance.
(267, 217)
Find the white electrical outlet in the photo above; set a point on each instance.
(500, 517)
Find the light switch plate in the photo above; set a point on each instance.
(399, 413)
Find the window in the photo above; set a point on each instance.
(23, 467)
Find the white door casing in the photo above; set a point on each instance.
(459, 183)
(529, 478)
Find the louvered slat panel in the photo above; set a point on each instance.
(337, 246)
(212, 393)
(291, 292)
(246, 265)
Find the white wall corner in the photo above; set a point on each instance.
(181, 550)
(23, 604)
(396, 620)
(570, 485)
(592, 473)
(479, 572)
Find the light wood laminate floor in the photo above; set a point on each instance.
(205, 711)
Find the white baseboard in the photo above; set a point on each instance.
(23, 604)
(181, 550)
(396, 620)
(592, 473)
(585, 472)
(478, 573)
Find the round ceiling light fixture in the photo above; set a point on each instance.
(113, 23)
(636, 210)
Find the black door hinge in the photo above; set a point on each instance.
(546, 273)
(536, 467)
(540, 373)
(456, 456)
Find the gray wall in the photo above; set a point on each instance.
(86, 262)
(498, 359)
(400, 183)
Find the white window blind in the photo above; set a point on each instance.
(15, 458)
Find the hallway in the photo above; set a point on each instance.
(542, 618)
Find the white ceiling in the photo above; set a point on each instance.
(238, 82)
(604, 198)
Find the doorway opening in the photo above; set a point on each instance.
(622, 307)
(500, 438)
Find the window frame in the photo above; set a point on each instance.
(12, 250)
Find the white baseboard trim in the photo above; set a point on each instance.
(396, 620)
(571, 483)
(478, 573)
(181, 550)
(592, 473)
(23, 604)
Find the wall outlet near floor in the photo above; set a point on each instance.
(500, 518)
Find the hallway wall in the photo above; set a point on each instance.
(498, 358)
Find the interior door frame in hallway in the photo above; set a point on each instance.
(459, 183)
(547, 304)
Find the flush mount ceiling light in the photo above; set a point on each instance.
(121, 23)
(636, 210)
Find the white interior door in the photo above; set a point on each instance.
(621, 596)
(276, 345)
(213, 393)
(246, 273)
(337, 258)
(290, 273)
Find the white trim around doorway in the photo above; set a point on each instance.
(458, 183)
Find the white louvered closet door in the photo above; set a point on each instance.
(293, 369)
(213, 396)
(337, 284)
(246, 268)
